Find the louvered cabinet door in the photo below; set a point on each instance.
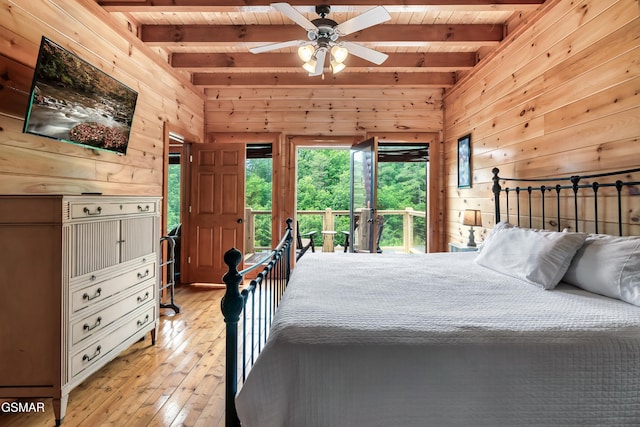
(96, 245)
(102, 244)
(137, 237)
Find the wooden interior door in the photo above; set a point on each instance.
(216, 208)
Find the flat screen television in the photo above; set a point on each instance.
(73, 101)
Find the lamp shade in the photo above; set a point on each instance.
(306, 52)
(472, 217)
(310, 66)
(336, 67)
(339, 53)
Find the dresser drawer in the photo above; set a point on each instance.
(99, 291)
(92, 324)
(93, 353)
(99, 209)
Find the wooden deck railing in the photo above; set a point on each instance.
(328, 224)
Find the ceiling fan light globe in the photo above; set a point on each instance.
(336, 67)
(310, 65)
(339, 53)
(306, 52)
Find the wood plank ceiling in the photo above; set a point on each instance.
(431, 44)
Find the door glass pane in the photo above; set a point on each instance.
(173, 193)
(363, 175)
(258, 190)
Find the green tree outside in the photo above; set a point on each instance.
(258, 188)
(324, 182)
(173, 197)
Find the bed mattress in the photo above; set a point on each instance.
(437, 340)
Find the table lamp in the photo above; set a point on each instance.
(472, 218)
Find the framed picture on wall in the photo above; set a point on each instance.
(464, 162)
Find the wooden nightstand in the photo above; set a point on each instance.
(461, 247)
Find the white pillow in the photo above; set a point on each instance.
(537, 257)
(499, 226)
(608, 265)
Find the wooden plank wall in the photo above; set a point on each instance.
(327, 111)
(562, 98)
(32, 164)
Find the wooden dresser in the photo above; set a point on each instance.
(78, 285)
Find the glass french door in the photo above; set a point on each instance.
(364, 178)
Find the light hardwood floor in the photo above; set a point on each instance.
(177, 382)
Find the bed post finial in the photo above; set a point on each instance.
(232, 304)
(496, 192)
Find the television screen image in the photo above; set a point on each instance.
(73, 101)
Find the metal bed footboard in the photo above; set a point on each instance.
(573, 184)
(257, 304)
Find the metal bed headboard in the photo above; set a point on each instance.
(574, 183)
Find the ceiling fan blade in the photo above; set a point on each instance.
(276, 46)
(365, 53)
(288, 10)
(371, 17)
(320, 57)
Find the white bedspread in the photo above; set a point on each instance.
(436, 340)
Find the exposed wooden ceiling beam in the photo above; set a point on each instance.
(342, 80)
(221, 62)
(407, 34)
(264, 5)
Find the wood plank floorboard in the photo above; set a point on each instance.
(177, 382)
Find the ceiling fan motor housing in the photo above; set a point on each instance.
(325, 30)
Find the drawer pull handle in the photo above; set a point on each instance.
(146, 273)
(145, 209)
(87, 358)
(87, 211)
(88, 297)
(142, 322)
(93, 277)
(145, 297)
(88, 327)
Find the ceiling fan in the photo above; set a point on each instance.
(323, 34)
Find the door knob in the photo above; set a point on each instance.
(239, 221)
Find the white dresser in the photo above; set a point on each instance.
(78, 285)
